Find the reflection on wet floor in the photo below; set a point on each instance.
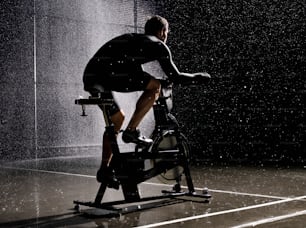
(40, 194)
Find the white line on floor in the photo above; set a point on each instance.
(269, 220)
(47, 171)
(221, 212)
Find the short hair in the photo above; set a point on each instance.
(155, 24)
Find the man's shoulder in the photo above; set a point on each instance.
(130, 37)
(138, 37)
(153, 39)
(144, 37)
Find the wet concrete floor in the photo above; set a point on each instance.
(40, 193)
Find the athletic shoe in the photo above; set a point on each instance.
(134, 136)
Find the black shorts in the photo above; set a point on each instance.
(124, 78)
(126, 82)
(117, 77)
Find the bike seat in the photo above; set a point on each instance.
(100, 99)
(99, 96)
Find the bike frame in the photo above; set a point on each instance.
(129, 167)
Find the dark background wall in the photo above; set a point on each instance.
(254, 108)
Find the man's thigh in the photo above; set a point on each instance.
(128, 82)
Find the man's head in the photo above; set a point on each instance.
(157, 26)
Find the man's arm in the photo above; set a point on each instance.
(174, 74)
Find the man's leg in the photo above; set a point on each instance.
(143, 105)
(117, 119)
(145, 102)
(104, 172)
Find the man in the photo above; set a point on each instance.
(117, 66)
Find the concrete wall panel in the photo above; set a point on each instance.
(67, 34)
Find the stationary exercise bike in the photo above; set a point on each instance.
(167, 158)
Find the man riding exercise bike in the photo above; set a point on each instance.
(117, 66)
